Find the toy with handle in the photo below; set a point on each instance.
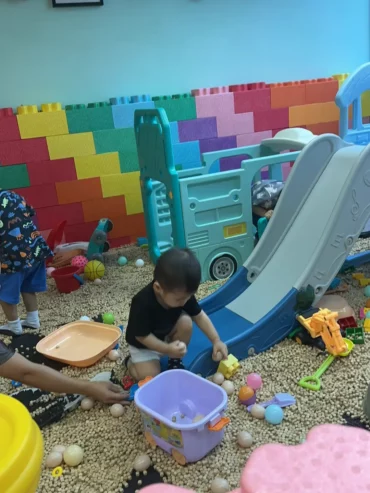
(313, 382)
(281, 399)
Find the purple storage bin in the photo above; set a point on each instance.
(179, 410)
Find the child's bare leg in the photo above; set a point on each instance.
(30, 302)
(181, 332)
(32, 319)
(139, 371)
(13, 323)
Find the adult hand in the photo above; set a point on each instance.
(176, 349)
(220, 351)
(107, 392)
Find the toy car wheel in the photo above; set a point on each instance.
(179, 458)
(106, 246)
(97, 256)
(109, 225)
(150, 439)
(222, 267)
(99, 238)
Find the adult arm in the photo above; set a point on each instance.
(19, 368)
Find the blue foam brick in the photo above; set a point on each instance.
(123, 114)
(174, 127)
(187, 154)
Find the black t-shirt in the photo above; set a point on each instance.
(148, 316)
(5, 353)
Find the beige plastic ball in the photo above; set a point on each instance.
(142, 463)
(258, 411)
(218, 378)
(73, 455)
(59, 448)
(220, 485)
(228, 387)
(97, 281)
(87, 403)
(117, 410)
(113, 355)
(245, 439)
(54, 459)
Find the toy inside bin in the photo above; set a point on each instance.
(183, 414)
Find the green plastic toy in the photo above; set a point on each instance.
(313, 382)
(108, 318)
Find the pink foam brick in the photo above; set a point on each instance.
(214, 105)
(334, 459)
(253, 138)
(235, 124)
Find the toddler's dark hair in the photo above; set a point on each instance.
(178, 268)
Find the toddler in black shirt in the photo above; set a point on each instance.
(162, 314)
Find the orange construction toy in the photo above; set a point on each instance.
(324, 324)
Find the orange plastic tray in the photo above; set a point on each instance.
(79, 343)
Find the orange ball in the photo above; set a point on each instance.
(367, 304)
(245, 393)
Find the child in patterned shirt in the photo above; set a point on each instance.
(23, 252)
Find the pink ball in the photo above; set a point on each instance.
(254, 381)
(79, 261)
(49, 270)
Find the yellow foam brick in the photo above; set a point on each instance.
(44, 124)
(73, 145)
(134, 203)
(98, 165)
(365, 103)
(340, 78)
(127, 184)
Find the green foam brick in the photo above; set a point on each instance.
(178, 107)
(128, 161)
(90, 119)
(118, 140)
(14, 176)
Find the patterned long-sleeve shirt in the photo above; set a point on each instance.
(21, 245)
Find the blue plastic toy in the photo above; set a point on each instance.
(211, 213)
(16, 384)
(350, 94)
(122, 261)
(98, 243)
(274, 414)
(335, 283)
(367, 291)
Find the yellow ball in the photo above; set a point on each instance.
(94, 270)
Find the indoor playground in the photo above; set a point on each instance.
(240, 131)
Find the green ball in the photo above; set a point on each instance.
(108, 318)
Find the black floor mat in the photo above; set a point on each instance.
(25, 344)
(44, 407)
(357, 422)
(152, 477)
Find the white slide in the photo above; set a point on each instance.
(318, 240)
(320, 214)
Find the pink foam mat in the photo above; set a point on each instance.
(333, 459)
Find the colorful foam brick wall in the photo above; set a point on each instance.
(80, 163)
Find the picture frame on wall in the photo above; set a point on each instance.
(78, 3)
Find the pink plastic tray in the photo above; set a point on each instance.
(79, 343)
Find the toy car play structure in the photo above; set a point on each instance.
(321, 212)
